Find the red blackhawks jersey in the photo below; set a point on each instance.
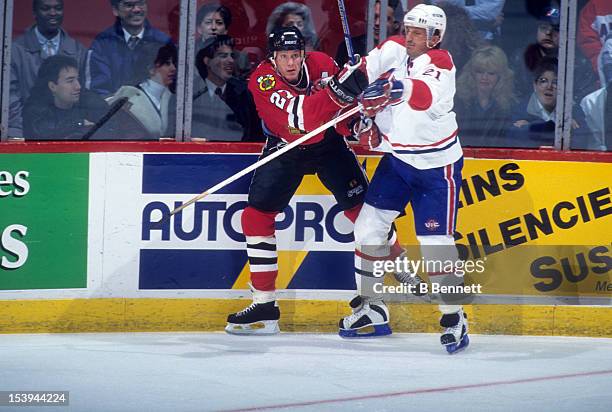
(289, 113)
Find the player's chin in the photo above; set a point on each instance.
(291, 76)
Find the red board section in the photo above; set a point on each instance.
(182, 147)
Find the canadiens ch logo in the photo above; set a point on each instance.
(266, 82)
(432, 225)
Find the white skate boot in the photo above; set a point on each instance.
(259, 318)
(367, 313)
(455, 336)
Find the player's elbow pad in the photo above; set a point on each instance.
(417, 94)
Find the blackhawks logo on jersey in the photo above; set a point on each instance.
(266, 82)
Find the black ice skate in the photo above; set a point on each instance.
(259, 318)
(455, 337)
(367, 314)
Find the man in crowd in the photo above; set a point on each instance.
(44, 39)
(214, 20)
(114, 52)
(223, 108)
(58, 108)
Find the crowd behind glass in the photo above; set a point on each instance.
(107, 69)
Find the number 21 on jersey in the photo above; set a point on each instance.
(280, 98)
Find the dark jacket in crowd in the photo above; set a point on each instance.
(111, 64)
(238, 98)
(539, 132)
(26, 58)
(44, 121)
(481, 127)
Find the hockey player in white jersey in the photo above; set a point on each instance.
(410, 99)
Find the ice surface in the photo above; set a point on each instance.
(309, 372)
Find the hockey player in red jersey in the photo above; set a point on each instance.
(411, 101)
(290, 104)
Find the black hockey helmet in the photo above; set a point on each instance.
(286, 38)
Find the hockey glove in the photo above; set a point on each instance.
(380, 94)
(347, 84)
(368, 133)
(347, 126)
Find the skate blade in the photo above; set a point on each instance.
(369, 331)
(455, 348)
(264, 327)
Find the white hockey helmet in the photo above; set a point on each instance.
(431, 18)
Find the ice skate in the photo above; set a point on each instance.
(259, 318)
(455, 336)
(370, 318)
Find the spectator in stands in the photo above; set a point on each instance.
(58, 109)
(533, 122)
(594, 26)
(149, 102)
(298, 15)
(461, 37)
(395, 18)
(44, 39)
(525, 60)
(213, 20)
(597, 106)
(114, 52)
(485, 98)
(486, 15)
(223, 108)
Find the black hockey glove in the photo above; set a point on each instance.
(347, 84)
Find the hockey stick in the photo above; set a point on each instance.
(261, 162)
(111, 112)
(347, 33)
(351, 54)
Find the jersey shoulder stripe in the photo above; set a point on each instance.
(441, 59)
(393, 40)
(319, 64)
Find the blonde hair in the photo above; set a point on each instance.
(491, 59)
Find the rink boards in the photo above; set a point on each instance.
(80, 252)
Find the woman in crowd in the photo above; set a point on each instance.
(485, 97)
(533, 122)
(149, 101)
(214, 19)
(294, 14)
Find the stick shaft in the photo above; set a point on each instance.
(267, 159)
(347, 33)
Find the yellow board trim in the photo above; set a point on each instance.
(206, 315)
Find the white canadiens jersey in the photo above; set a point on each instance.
(421, 130)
